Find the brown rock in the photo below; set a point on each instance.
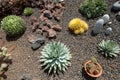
(45, 28)
(39, 31)
(49, 23)
(51, 33)
(31, 38)
(35, 26)
(33, 19)
(57, 27)
(42, 18)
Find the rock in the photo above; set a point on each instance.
(110, 23)
(39, 31)
(98, 25)
(108, 31)
(33, 19)
(38, 43)
(45, 28)
(47, 14)
(118, 16)
(42, 18)
(35, 26)
(51, 33)
(57, 27)
(106, 18)
(48, 23)
(31, 38)
(116, 6)
(26, 77)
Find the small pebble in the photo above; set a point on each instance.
(110, 23)
(108, 31)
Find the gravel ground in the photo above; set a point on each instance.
(82, 47)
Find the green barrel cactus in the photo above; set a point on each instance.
(55, 57)
(13, 25)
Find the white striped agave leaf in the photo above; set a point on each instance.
(109, 48)
(55, 57)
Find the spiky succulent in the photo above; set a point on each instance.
(28, 11)
(55, 57)
(109, 48)
(13, 25)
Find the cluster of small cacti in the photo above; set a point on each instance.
(55, 57)
(28, 11)
(13, 25)
(78, 26)
(5, 58)
(99, 25)
(109, 48)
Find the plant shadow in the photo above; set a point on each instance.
(86, 76)
(14, 38)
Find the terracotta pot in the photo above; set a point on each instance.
(92, 75)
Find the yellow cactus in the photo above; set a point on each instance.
(78, 26)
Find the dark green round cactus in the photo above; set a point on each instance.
(13, 25)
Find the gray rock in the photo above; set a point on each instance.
(106, 18)
(116, 6)
(118, 16)
(98, 25)
(26, 77)
(38, 43)
(108, 31)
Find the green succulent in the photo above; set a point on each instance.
(28, 11)
(109, 48)
(5, 58)
(55, 57)
(13, 25)
(93, 8)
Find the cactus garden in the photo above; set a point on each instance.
(59, 40)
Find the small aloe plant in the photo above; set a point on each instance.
(109, 48)
(55, 57)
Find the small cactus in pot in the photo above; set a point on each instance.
(93, 68)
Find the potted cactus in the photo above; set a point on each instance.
(93, 68)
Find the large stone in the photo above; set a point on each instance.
(38, 43)
(116, 6)
(106, 18)
(98, 25)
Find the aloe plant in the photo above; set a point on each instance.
(55, 57)
(109, 48)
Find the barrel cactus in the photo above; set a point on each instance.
(55, 57)
(13, 25)
(109, 48)
(78, 26)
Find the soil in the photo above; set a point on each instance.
(82, 47)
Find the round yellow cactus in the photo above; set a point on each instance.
(78, 26)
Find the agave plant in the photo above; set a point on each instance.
(55, 57)
(109, 48)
